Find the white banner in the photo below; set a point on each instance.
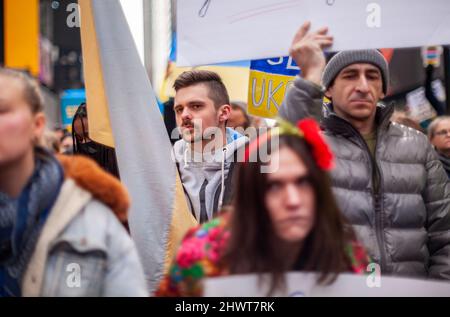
(213, 31)
(346, 285)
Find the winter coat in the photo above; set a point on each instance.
(404, 222)
(83, 249)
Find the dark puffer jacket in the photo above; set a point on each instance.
(405, 225)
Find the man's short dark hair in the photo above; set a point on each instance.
(217, 90)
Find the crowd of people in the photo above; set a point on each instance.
(334, 186)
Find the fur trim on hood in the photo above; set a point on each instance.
(91, 177)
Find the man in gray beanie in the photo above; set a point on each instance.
(388, 180)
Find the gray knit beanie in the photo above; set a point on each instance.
(346, 58)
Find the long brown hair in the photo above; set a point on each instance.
(252, 247)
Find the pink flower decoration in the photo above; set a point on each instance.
(191, 251)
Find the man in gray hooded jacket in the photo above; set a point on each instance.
(388, 180)
(207, 153)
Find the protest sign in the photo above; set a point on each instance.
(269, 82)
(417, 105)
(212, 31)
(346, 285)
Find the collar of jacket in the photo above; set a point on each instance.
(84, 179)
(445, 160)
(337, 125)
(102, 185)
(71, 200)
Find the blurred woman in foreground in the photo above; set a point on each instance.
(284, 218)
(59, 228)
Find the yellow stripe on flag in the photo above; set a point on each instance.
(120, 98)
(234, 78)
(182, 221)
(98, 116)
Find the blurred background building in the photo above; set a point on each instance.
(42, 37)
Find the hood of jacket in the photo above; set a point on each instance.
(203, 174)
(445, 160)
(183, 153)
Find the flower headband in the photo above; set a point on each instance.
(309, 130)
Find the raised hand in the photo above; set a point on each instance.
(307, 51)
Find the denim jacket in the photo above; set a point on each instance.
(83, 250)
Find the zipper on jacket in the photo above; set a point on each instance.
(378, 205)
(377, 195)
(377, 201)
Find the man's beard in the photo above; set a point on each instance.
(210, 134)
(192, 137)
(356, 114)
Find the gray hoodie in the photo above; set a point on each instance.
(205, 177)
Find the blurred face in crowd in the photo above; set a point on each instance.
(441, 137)
(356, 91)
(196, 113)
(59, 133)
(81, 129)
(19, 127)
(237, 118)
(66, 144)
(290, 197)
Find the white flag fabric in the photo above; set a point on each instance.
(159, 215)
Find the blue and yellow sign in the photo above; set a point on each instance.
(269, 82)
(70, 100)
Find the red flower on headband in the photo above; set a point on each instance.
(321, 151)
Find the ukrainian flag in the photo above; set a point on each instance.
(123, 113)
(235, 76)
